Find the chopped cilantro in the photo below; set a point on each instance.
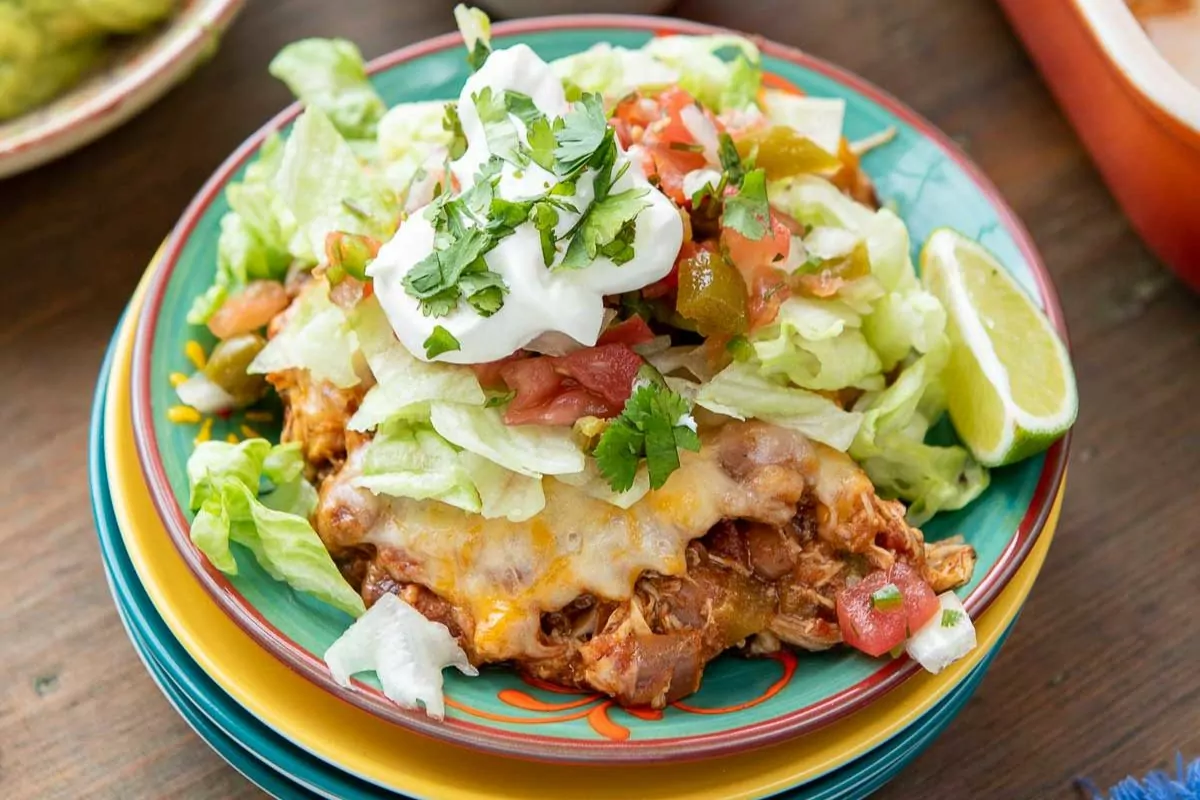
(731, 162)
(651, 426)
(606, 228)
(542, 143)
(584, 130)
(457, 271)
(747, 211)
(951, 617)
(440, 341)
(545, 218)
(521, 106)
(498, 128)
(453, 125)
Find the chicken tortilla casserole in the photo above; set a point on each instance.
(609, 366)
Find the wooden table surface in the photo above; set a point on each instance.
(1101, 677)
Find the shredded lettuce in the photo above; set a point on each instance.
(891, 446)
(715, 82)
(329, 74)
(532, 450)
(404, 384)
(411, 135)
(224, 481)
(252, 244)
(503, 493)
(613, 72)
(322, 184)
(411, 460)
(405, 649)
(593, 484)
(318, 338)
(816, 344)
(741, 391)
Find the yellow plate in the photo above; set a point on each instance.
(377, 751)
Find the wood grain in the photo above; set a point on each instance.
(1100, 678)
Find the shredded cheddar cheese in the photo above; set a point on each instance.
(195, 353)
(176, 378)
(183, 415)
(205, 431)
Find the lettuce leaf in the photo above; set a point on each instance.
(532, 450)
(322, 184)
(593, 484)
(503, 493)
(411, 135)
(405, 649)
(254, 235)
(715, 82)
(224, 482)
(319, 338)
(404, 385)
(613, 72)
(329, 74)
(742, 392)
(816, 344)
(411, 460)
(891, 446)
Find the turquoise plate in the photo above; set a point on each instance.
(284, 770)
(930, 182)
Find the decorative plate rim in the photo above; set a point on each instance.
(548, 748)
(180, 44)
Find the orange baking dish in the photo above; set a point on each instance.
(1136, 114)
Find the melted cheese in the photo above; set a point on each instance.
(506, 574)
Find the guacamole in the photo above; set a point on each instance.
(47, 45)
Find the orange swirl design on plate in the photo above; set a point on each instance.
(597, 708)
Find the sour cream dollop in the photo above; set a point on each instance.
(539, 299)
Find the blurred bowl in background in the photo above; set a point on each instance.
(134, 73)
(1136, 114)
(537, 8)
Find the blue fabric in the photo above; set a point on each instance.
(1185, 785)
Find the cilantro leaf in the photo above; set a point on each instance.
(583, 131)
(521, 106)
(498, 128)
(545, 218)
(453, 125)
(747, 211)
(542, 143)
(653, 425)
(438, 279)
(731, 161)
(440, 341)
(951, 617)
(606, 228)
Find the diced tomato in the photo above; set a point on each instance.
(756, 260)
(607, 371)
(563, 409)
(250, 309)
(750, 254)
(628, 332)
(490, 373)
(671, 166)
(535, 380)
(876, 631)
(557, 390)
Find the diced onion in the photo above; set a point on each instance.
(553, 343)
(204, 395)
(702, 130)
(656, 345)
(938, 645)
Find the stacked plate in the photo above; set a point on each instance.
(240, 656)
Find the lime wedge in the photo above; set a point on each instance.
(1010, 386)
